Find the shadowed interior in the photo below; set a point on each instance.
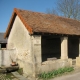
(73, 47)
(51, 47)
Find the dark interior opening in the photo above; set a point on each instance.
(51, 47)
(73, 47)
(3, 45)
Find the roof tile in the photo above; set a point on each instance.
(47, 23)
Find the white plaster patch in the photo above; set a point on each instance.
(37, 41)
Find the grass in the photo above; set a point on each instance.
(9, 76)
(20, 71)
(52, 74)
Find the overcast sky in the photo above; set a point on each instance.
(7, 6)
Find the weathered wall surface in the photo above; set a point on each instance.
(53, 65)
(20, 40)
(36, 50)
(19, 37)
(6, 57)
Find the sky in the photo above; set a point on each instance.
(7, 6)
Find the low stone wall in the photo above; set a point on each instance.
(6, 57)
(31, 69)
(53, 65)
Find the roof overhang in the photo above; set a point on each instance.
(14, 14)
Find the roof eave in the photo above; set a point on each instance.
(15, 12)
(9, 25)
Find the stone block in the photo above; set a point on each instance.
(62, 63)
(70, 62)
(78, 61)
(0, 58)
(51, 59)
(48, 66)
(45, 68)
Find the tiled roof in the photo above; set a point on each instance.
(2, 40)
(45, 23)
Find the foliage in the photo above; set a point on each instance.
(67, 8)
(51, 11)
(9, 76)
(55, 73)
(20, 71)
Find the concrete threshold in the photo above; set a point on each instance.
(20, 77)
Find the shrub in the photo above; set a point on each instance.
(55, 73)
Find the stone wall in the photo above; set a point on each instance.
(20, 39)
(53, 65)
(6, 57)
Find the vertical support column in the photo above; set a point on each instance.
(37, 49)
(79, 47)
(64, 48)
(0, 58)
(78, 58)
(0, 46)
(36, 52)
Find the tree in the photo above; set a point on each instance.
(66, 8)
(53, 11)
(69, 8)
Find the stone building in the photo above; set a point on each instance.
(43, 42)
(3, 41)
